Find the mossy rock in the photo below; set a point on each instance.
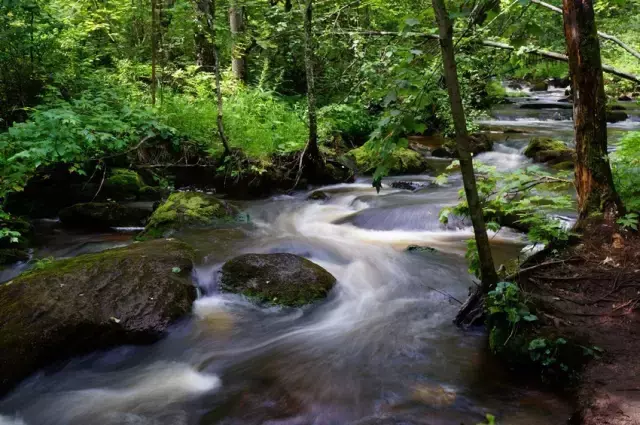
(282, 279)
(478, 143)
(549, 151)
(71, 307)
(400, 161)
(540, 86)
(100, 215)
(188, 209)
(128, 185)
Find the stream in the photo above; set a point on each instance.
(381, 350)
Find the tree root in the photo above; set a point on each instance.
(472, 311)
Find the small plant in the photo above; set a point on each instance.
(43, 263)
(507, 299)
(629, 221)
(489, 420)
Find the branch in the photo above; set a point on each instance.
(496, 45)
(601, 34)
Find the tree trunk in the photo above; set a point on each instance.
(236, 23)
(154, 51)
(288, 5)
(206, 11)
(489, 277)
(205, 57)
(594, 181)
(312, 151)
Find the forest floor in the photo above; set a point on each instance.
(591, 292)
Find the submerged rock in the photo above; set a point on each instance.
(188, 209)
(418, 248)
(318, 195)
(100, 215)
(400, 161)
(614, 116)
(95, 301)
(284, 279)
(547, 150)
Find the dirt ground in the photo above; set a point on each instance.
(592, 292)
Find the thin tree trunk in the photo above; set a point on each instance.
(288, 5)
(216, 58)
(236, 23)
(154, 51)
(488, 273)
(594, 181)
(312, 151)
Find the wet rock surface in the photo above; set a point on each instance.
(95, 301)
(283, 279)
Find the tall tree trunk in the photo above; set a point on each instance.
(205, 57)
(236, 23)
(594, 181)
(288, 5)
(474, 305)
(154, 51)
(206, 10)
(312, 151)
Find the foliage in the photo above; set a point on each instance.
(507, 310)
(625, 164)
(490, 420)
(523, 199)
(629, 221)
(351, 122)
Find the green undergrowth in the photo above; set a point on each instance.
(625, 164)
(517, 335)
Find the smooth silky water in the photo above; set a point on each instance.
(381, 346)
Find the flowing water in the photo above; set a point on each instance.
(382, 345)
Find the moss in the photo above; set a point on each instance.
(123, 184)
(282, 279)
(547, 150)
(400, 161)
(188, 209)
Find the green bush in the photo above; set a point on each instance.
(626, 170)
(352, 123)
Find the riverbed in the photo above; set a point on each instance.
(381, 349)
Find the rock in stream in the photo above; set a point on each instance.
(74, 306)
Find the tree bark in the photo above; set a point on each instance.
(312, 151)
(154, 51)
(236, 24)
(594, 181)
(487, 269)
(205, 57)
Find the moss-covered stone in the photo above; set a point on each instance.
(400, 161)
(283, 279)
(95, 301)
(540, 86)
(128, 185)
(188, 209)
(549, 151)
(614, 115)
(100, 215)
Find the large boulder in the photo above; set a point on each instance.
(400, 161)
(614, 116)
(549, 151)
(283, 279)
(188, 209)
(100, 215)
(540, 86)
(71, 307)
